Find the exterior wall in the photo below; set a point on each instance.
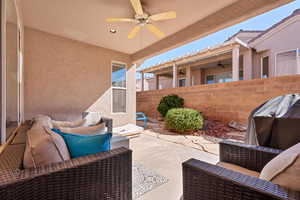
(64, 78)
(285, 37)
(225, 101)
(12, 69)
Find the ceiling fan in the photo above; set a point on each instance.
(143, 19)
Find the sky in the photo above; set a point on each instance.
(260, 22)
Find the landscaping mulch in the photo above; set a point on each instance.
(212, 129)
(220, 130)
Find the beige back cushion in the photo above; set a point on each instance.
(284, 169)
(85, 130)
(58, 124)
(44, 147)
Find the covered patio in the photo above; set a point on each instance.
(68, 82)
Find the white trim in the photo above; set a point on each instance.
(284, 51)
(121, 88)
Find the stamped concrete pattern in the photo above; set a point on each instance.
(165, 158)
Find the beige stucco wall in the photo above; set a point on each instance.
(64, 78)
(283, 38)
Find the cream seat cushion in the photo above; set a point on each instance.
(100, 128)
(284, 169)
(67, 124)
(44, 147)
(237, 168)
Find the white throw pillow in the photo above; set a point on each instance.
(100, 128)
(284, 169)
(92, 118)
(43, 120)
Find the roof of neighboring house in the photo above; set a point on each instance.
(243, 31)
(192, 54)
(295, 13)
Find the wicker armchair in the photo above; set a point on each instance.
(206, 181)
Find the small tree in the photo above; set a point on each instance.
(169, 102)
(184, 119)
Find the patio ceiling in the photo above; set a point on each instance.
(84, 21)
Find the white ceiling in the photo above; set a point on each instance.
(84, 20)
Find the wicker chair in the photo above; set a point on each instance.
(95, 177)
(206, 181)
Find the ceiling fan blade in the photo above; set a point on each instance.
(133, 32)
(137, 6)
(155, 30)
(163, 16)
(120, 20)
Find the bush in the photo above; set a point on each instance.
(184, 120)
(169, 102)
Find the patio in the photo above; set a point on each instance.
(165, 158)
(68, 81)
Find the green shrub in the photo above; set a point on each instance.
(184, 120)
(169, 102)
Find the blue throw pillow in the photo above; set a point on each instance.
(82, 145)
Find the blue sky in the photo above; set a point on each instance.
(260, 22)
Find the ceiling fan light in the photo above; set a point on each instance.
(113, 31)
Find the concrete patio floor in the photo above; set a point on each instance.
(165, 158)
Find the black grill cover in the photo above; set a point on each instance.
(276, 123)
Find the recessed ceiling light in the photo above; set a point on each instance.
(113, 30)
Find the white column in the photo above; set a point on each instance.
(175, 81)
(235, 62)
(248, 64)
(143, 84)
(156, 81)
(188, 76)
(298, 61)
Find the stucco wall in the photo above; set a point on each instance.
(64, 78)
(11, 72)
(281, 39)
(224, 101)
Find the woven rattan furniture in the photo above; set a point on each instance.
(202, 180)
(95, 177)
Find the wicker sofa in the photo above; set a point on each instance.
(206, 181)
(102, 176)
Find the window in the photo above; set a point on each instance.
(210, 79)
(241, 75)
(118, 88)
(286, 63)
(219, 78)
(265, 67)
(182, 82)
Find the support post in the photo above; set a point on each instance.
(247, 65)
(143, 82)
(188, 76)
(235, 62)
(156, 81)
(175, 81)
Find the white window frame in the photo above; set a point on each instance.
(122, 88)
(261, 66)
(297, 59)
